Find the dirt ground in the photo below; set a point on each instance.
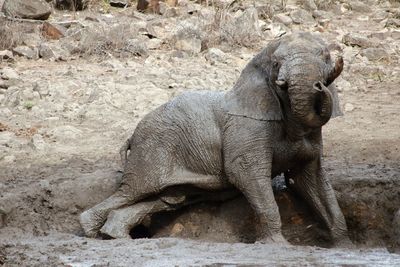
(63, 122)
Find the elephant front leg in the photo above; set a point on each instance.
(310, 183)
(248, 162)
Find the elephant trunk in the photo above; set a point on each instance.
(315, 108)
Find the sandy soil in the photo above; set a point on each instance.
(62, 125)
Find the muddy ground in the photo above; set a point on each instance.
(63, 120)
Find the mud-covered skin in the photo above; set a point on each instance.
(269, 123)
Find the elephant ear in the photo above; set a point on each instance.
(336, 110)
(252, 95)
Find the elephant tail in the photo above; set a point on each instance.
(123, 152)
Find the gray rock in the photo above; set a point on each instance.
(154, 43)
(191, 45)
(309, 5)
(282, 18)
(26, 51)
(120, 3)
(32, 9)
(6, 55)
(214, 55)
(301, 16)
(8, 73)
(396, 230)
(37, 142)
(321, 14)
(354, 39)
(278, 29)
(393, 23)
(360, 7)
(136, 47)
(52, 51)
(374, 54)
(65, 133)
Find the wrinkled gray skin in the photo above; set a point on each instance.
(269, 123)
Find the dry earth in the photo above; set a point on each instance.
(63, 119)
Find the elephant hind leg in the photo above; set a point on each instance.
(92, 219)
(121, 221)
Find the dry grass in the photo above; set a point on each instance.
(116, 40)
(11, 33)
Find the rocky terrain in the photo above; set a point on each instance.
(74, 85)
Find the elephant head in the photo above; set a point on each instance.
(291, 78)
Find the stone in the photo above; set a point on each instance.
(6, 55)
(278, 29)
(392, 22)
(396, 230)
(32, 9)
(136, 47)
(309, 5)
(214, 55)
(321, 14)
(374, 54)
(52, 31)
(353, 39)
(65, 133)
(191, 45)
(69, 5)
(282, 18)
(8, 73)
(52, 51)
(25, 51)
(120, 3)
(348, 107)
(154, 43)
(301, 16)
(177, 229)
(37, 142)
(359, 7)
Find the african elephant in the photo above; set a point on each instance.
(268, 124)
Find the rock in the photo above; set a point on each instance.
(321, 14)
(120, 3)
(191, 45)
(6, 55)
(214, 55)
(9, 159)
(167, 11)
(154, 43)
(52, 51)
(348, 107)
(68, 4)
(136, 47)
(359, 40)
(360, 7)
(278, 29)
(392, 22)
(374, 54)
(301, 16)
(32, 9)
(37, 142)
(282, 18)
(309, 5)
(26, 51)
(8, 73)
(7, 138)
(171, 3)
(65, 133)
(52, 31)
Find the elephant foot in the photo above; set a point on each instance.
(274, 239)
(90, 223)
(121, 221)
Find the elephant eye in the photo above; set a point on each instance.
(275, 65)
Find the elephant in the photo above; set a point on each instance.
(269, 123)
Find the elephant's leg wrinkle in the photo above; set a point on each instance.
(92, 219)
(121, 221)
(248, 168)
(311, 183)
